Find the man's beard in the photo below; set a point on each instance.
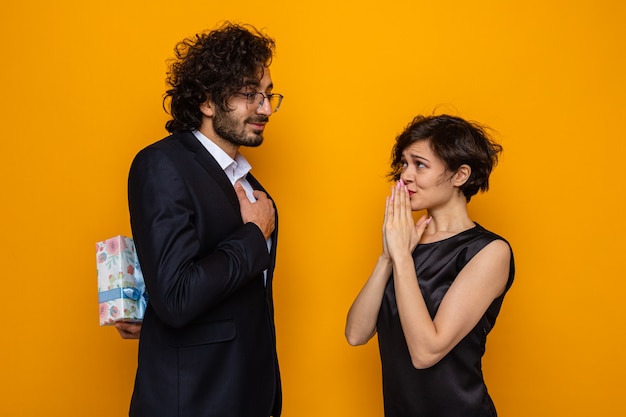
(227, 127)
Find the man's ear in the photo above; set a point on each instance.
(207, 108)
(461, 175)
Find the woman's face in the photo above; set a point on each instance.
(426, 177)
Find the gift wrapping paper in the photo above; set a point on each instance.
(121, 288)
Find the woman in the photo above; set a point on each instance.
(438, 285)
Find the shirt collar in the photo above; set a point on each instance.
(237, 168)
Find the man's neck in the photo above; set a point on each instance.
(228, 147)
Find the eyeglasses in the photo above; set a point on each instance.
(274, 99)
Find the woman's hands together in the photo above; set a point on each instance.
(400, 234)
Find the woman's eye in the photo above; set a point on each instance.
(420, 165)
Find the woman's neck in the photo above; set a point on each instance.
(447, 223)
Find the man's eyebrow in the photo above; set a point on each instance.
(256, 83)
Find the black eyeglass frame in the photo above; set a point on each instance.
(252, 97)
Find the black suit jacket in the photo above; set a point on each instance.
(207, 345)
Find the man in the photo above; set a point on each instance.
(205, 233)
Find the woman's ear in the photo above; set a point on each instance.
(207, 107)
(461, 175)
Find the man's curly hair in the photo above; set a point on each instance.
(214, 65)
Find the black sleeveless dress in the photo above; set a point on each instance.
(454, 387)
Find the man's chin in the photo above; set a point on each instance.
(254, 141)
(251, 141)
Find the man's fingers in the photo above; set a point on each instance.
(241, 193)
(128, 330)
(259, 194)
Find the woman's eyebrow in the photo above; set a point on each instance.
(416, 156)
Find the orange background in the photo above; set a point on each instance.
(82, 89)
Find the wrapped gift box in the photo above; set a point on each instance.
(121, 288)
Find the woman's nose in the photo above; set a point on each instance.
(406, 176)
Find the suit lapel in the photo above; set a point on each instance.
(206, 160)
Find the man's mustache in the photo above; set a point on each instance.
(258, 119)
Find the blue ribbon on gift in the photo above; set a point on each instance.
(127, 292)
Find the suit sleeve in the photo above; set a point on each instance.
(183, 278)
